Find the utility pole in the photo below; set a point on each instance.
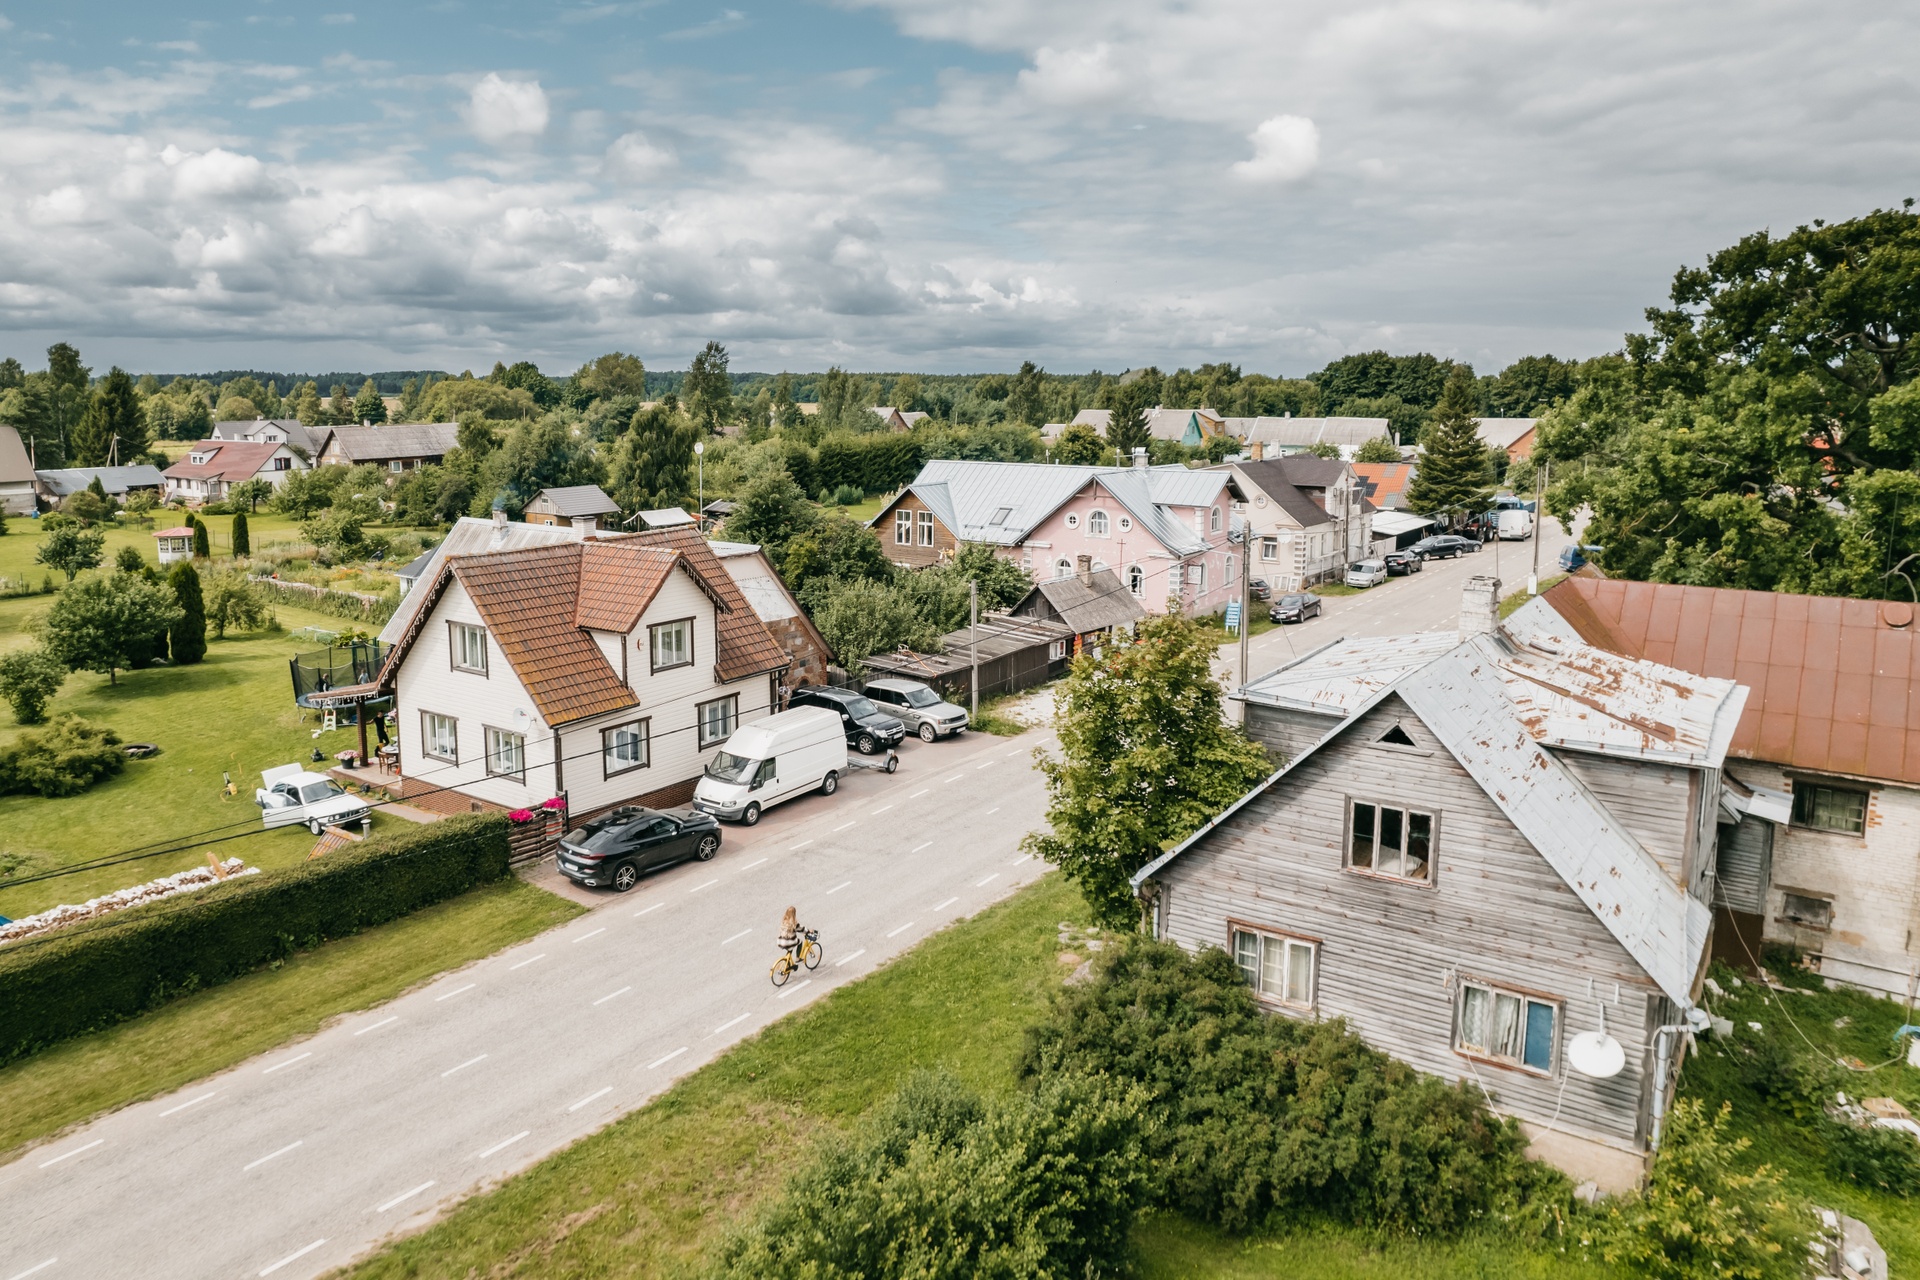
(700, 462)
(1246, 595)
(973, 645)
(1539, 506)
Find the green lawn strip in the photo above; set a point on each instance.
(232, 713)
(993, 719)
(1792, 1143)
(1171, 1248)
(647, 1195)
(1513, 601)
(211, 1030)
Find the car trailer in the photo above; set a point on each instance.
(890, 763)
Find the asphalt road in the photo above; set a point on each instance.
(1424, 601)
(301, 1160)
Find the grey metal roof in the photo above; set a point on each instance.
(577, 500)
(1298, 433)
(115, 480)
(967, 496)
(1281, 482)
(1088, 607)
(296, 432)
(413, 568)
(1499, 702)
(406, 440)
(15, 465)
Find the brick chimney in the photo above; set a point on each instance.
(1480, 606)
(1257, 450)
(1085, 570)
(1140, 459)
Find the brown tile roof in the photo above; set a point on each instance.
(527, 599)
(232, 460)
(1386, 482)
(746, 646)
(1835, 682)
(539, 602)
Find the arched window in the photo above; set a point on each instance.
(1062, 568)
(1136, 580)
(1097, 524)
(1213, 521)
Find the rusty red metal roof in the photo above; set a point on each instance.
(1835, 682)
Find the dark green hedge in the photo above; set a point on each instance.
(98, 973)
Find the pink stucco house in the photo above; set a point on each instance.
(1162, 530)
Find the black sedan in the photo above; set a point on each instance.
(1443, 546)
(618, 848)
(1402, 563)
(1297, 607)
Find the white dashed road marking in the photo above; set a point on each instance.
(917, 848)
(663, 1061)
(34, 1270)
(376, 1026)
(583, 937)
(989, 880)
(289, 1062)
(456, 991)
(295, 1256)
(273, 1155)
(597, 1093)
(736, 937)
(48, 1164)
(191, 1102)
(903, 928)
(949, 902)
(730, 1022)
(524, 963)
(837, 888)
(850, 959)
(403, 1196)
(498, 1147)
(463, 1066)
(611, 994)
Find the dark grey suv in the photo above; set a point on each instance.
(618, 848)
(869, 729)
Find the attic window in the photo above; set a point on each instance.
(1398, 737)
(1000, 515)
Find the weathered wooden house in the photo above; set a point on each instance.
(1013, 653)
(1478, 847)
(1093, 602)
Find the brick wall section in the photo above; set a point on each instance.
(422, 794)
(1873, 880)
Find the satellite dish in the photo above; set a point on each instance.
(1596, 1054)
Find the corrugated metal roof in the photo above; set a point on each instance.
(1298, 433)
(969, 498)
(471, 535)
(115, 480)
(1835, 682)
(1498, 702)
(401, 440)
(577, 500)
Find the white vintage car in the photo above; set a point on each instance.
(291, 795)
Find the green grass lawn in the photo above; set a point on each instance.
(22, 539)
(649, 1195)
(234, 712)
(210, 1030)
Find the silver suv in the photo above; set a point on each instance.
(923, 710)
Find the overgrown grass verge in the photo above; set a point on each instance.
(993, 720)
(211, 1030)
(1778, 1091)
(648, 1195)
(1171, 1248)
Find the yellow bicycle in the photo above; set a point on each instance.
(807, 953)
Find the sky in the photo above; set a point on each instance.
(935, 185)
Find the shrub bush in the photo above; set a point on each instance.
(1884, 1159)
(938, 1184)
(100, 972)
(28, 680)
(64, 759)
(1265, 1119)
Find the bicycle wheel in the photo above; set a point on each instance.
(781, 971)
(814, 953)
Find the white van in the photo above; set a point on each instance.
(1516, 524)
(772, 760)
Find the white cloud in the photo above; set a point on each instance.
(1285, 149)
(1074, 77)
(501, 111)
(635, 158)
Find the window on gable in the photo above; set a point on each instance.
(1829, 808)
(671, 644)
(1384, 840)
(1398, 737)
(469, 646)
(1507, 1027)
(926, 528)
(1276, 966)
(903, 528)
(1097, 524)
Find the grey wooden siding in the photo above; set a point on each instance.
(1496, 912)
(1654, 802)
(1285, 732)
(1746, 865)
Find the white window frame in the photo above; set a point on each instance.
(1136, 580)
(467, 647)
(1266, 958)
(1056, 651)
(1372, 861)
(926, 528)
(431, 742)
(1213, 520)
(1063, 568)
(1269, 549)
(903, 527)
(1126, 524)
(1197, 575)
(682, 654)
(1480, 1042)
(625, 747)
(715, 730)
(1072, 520)
(506, 748)
(1097, 524)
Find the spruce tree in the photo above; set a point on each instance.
(242, 543)
(1455, 476)
(1127, 427)
(202, 550)
(189, 635)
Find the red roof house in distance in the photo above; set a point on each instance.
(212, 467)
